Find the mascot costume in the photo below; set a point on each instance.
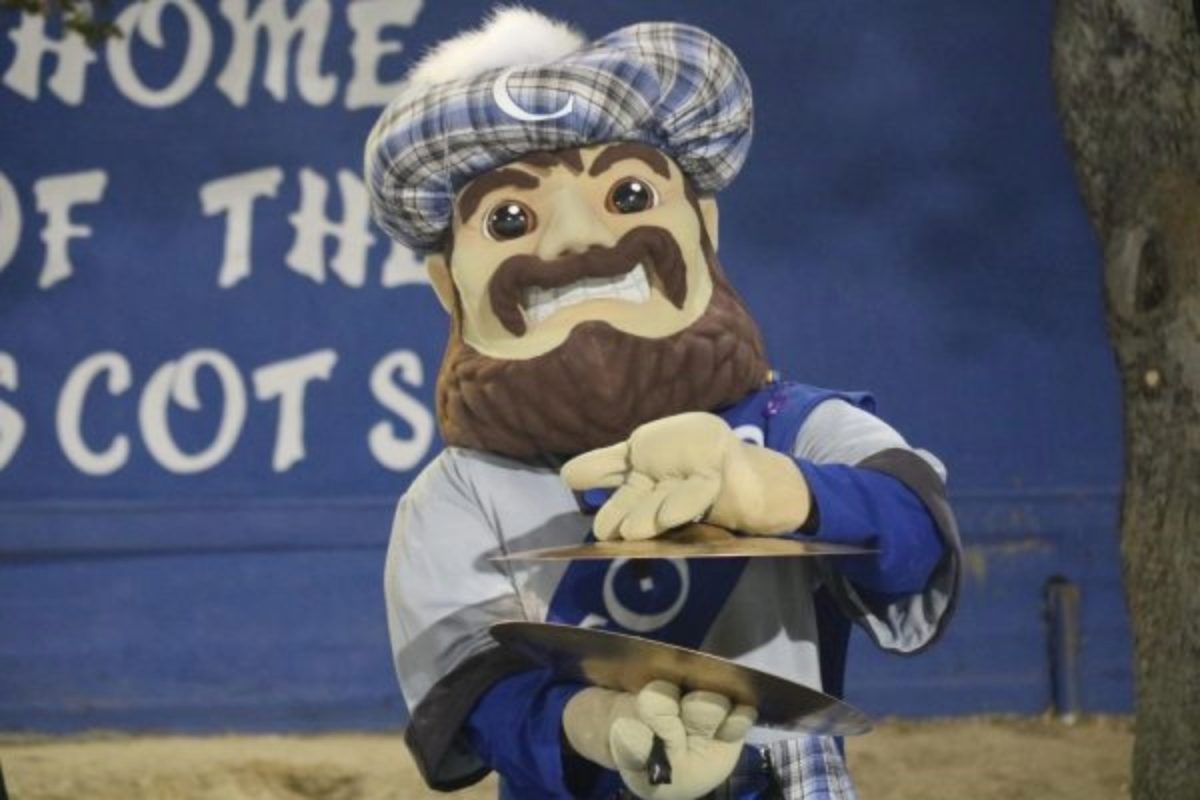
(604, 380)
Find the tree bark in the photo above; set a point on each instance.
(1127, 74)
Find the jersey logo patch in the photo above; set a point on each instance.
(648, 593)
(670, 600)
(750, 434)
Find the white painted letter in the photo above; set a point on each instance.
(390, 450)
(72, 54)
(403, 267)
(69, 417)
(55, 197)
(12, 424)
(367, 19)
(287, 380)
(235, 196)
(176, 381)
(10, 221)
(353, 233)
(310, 24)
(145, 19)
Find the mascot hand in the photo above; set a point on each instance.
(590, 715)
(689, 467)
(616, 730)
(703, 739)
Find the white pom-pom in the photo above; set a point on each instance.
(511, 36)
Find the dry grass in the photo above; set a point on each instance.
(974, 758)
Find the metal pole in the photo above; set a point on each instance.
(1062, 617)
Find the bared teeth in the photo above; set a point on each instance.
(633, 287)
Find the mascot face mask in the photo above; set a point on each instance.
(587, 300)
(608, 233)
(564, 199)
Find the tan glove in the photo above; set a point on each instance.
(688, 467)
(703, 737)
(589, 716)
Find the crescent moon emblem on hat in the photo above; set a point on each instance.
(509, 106)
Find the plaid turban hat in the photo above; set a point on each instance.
(523, 83)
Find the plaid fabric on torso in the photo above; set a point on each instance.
(811, 768)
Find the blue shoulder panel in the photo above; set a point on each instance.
(791, 403)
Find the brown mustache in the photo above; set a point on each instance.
(654, 247)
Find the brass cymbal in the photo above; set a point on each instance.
(627, 663)
(697, 540)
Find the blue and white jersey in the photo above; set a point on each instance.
(676, 600)
(443, 591)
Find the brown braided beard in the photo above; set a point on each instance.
(601, 383)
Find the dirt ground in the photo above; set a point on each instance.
(961, 759)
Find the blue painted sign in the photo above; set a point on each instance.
(216, 373)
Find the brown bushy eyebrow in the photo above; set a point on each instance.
(571, 159)
(635, 150)
(481, 187)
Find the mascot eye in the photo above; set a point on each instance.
(509, 220)
(630, 195)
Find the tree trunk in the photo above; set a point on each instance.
(1127, 73)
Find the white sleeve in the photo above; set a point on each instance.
(837, 432)
(442, 592)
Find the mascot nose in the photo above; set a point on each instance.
(572, 226)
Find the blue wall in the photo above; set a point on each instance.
(907, 222)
